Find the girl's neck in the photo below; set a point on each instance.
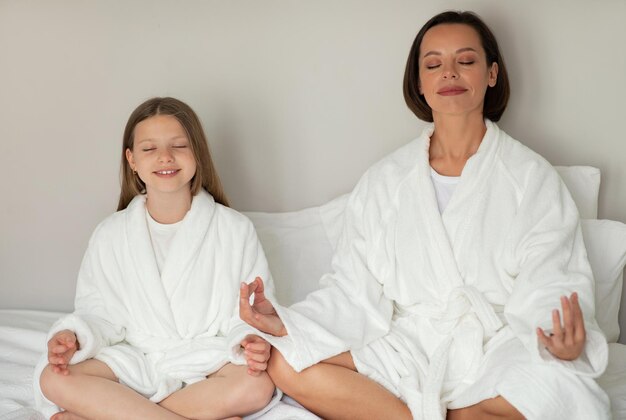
(168, 208)
(454, 141)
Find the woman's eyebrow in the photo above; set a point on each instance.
(460, 50)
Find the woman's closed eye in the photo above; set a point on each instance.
(148, 149)
(180, 146)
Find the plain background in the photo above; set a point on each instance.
(298, 98)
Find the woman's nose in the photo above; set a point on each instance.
(449, 72)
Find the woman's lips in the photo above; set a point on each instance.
(451, 91)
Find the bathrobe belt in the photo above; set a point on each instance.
(461, 301)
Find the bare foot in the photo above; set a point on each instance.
(66, 415)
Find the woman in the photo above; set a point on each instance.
(456, 250)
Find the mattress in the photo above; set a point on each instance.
(23, 336)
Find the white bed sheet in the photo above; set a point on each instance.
(23, 338)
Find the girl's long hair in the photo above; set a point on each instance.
(205, 177)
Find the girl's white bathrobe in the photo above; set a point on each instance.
(160, 331)
(442, 309)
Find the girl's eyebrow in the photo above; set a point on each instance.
(151, 139)
(460, 50)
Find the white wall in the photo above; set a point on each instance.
(298, 98)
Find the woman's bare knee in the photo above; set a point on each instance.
(491, 409)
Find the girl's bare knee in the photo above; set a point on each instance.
(52, 384)
(252, 394)
(261, 390)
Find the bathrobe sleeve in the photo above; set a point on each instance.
(351, 309)
(549, 257)
(91, 321)
(254, 264)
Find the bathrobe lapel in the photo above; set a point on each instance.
(187, 243)
(441, 248)
(143, 265)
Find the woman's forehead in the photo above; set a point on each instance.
(449, 37)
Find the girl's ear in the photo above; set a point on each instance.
(130, 159)
(493, 74)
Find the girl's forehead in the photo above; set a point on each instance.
(159, 126)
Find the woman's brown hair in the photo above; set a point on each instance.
(205, 177)
(496, 98)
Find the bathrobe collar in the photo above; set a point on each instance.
(186, 244)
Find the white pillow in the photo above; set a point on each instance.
(583, 183)
(297, 250)
(605, 241)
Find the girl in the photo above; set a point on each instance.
(455, 251)
(156, 300)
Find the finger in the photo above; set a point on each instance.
(244, 292)
(568, 321)
(259, 290)
(577, 316)
(59, 349)
(68, 339)
(245, 310)
(260, 287)
(543, 338)
(57, 360)
(556, 325)
(254, 372)
(260, 366)
(256, 357)
(257, 347)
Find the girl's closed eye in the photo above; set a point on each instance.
(148, 149)
(180, 146)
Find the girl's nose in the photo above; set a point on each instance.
(165, 156)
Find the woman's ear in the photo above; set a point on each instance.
(493, 74)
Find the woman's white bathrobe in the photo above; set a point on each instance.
(159, 331)
(442, 309)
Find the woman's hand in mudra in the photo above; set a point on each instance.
(568, 340)
(261, 314)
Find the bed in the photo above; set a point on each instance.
(299, 246)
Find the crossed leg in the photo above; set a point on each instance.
(333, 389)
(91, 390)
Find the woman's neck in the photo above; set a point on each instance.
(454, 141)
(168, 208)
